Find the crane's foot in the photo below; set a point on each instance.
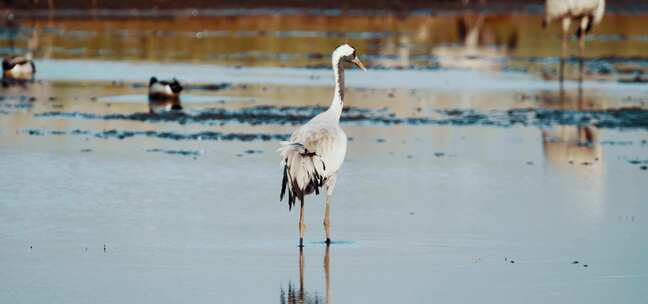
(301, 243)
(328, 242)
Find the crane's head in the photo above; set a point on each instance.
(347, 53)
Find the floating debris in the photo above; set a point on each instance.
(177, 152)
(35, 132)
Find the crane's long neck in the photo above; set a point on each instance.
(338, 97)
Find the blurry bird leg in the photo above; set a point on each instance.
(566, 22)
(581, 34)
(581, 59)
(301, 225)
(580, 81)
(561, 76)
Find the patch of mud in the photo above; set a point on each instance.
(123, 134)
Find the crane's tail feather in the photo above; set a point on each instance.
(303, 172)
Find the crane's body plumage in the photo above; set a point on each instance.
(316, 150)
(324, 136)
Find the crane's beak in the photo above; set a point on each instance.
(357, 62)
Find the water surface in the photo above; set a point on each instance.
(472, 174)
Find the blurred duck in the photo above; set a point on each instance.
(18, 68)
(162, 89)
(164, 96)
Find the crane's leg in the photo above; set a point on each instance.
(582, 30)
(301, 224)
(327, 220)
(330, 185)
(566, 22)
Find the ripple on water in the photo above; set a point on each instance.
(124, 134)
(185, 98)
(630, 118)
(193, 153)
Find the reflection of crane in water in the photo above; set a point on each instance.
(294, 295)
(472, 53)
(586, 13)
(572, 146)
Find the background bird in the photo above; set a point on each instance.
(316, 150)
(18, 68)
(586, 13)
(164, 89)
(164, 96)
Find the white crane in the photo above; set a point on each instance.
(586, 12)
(316, 150)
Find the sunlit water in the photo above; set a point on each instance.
(471, 176)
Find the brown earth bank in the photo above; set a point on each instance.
(153, 8)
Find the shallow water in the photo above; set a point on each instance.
(472, 175)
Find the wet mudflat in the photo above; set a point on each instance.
(472, 174)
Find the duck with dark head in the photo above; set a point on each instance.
(17, 69)
(164, 96)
